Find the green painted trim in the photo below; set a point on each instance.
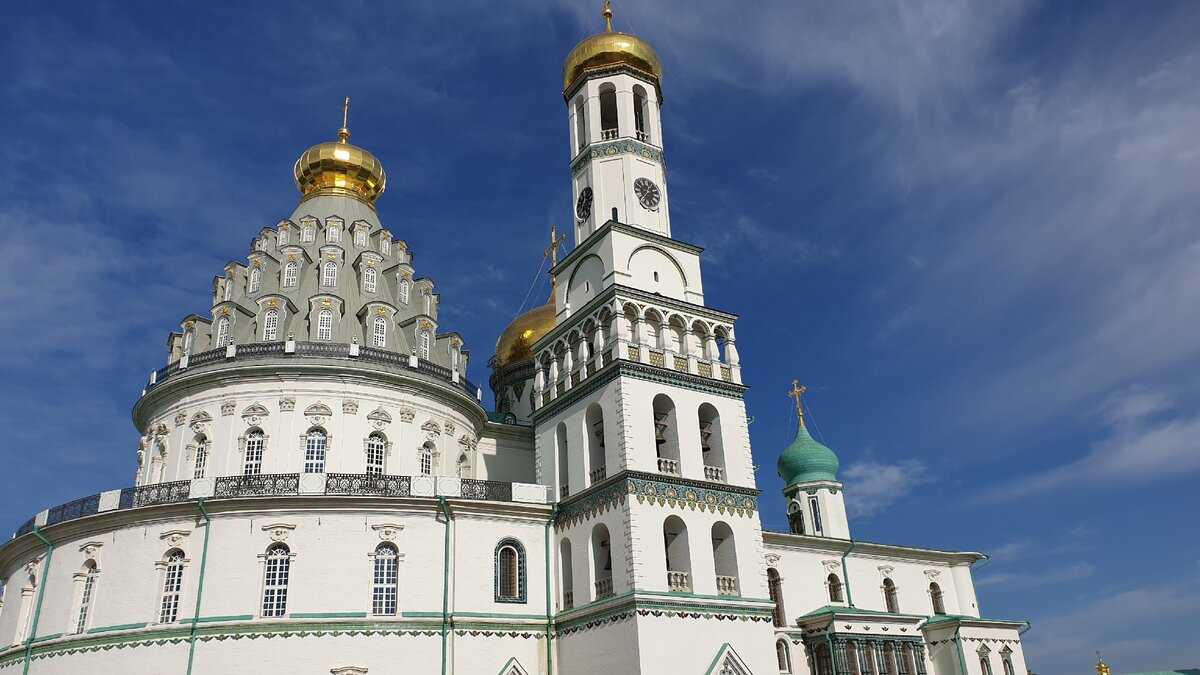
(508, 664)
(52, 636)
(421, 615)
(846, 578)
(494, 615)
(962, 661)
(549, 620)
(215, 619)
(445, 579)
(327, 615)
(37, 610)
(720, 650)
(122, 626)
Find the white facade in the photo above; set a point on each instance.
(319, 489)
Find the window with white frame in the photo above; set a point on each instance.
(255, 279)
(315, 443)
(188, 338)
(168, 608)
(404, 288)
(384, 580)
(369, 280)
(425, 459)
(291, 273)
(228, 290)
(271, 325)
(360, 236)
(815, 507)
(333, 234)
(91, 575)
(510, 571)
(385, 244)
(376, 454)
(782, 656)
(275, 580)
(201, 462)
(223, 331)
(256, 442)
(423, 343)
(379, 332)
(325, 325)
(329, 274)
(1006, 660)
(308, 234)
(283, 235)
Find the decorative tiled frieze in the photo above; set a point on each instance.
(647, 488)
(621, 146)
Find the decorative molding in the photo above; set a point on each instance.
(174, 538)
(388, 531)
(349, 670)
(832, 566)
(287, 404)
(180, 419)
(349, 406)
(432, 429)
(255, 413)
(406, 414)
(278, 531)
(649, 488)
(621, 146)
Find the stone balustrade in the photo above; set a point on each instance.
(604, 587)
(714, 473)
(666, 465)
(727, 585)
(679, 582)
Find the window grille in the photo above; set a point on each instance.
(290, 273)
(404, 292)
(426, 460)
(369, 277)
(383, 592)
(333, 234)
(385, 245)
(423, 338)
(271, 325)
(360, 237)
(85, 598)
(275, 581)
(201, 463)
(325, 325)
(255, 280)
(376, 448)
(329, 274)
(172, 587)
(510, 572)
(379, 332)
(223, 332)
(255, 443)
(314, 451)
(307, 234)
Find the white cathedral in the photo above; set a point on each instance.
(319, 488)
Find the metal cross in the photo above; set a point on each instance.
(344, 132)
(555, 242)
(797, 392)
(607, 14)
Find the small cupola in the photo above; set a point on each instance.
(806, 460)
(339, 168)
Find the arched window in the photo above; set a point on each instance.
(329, 274)
(608, 112)
(641, 113)
(308, 234)
(725, 559)
(423, 343)
(255, 279)
(711, 447)
(666, 435)
(91, 575)
(223, 332)
(360, 236)
(782, 656)
(1006, 661)
(602, 561)
(595, 436)
(255, 444)
(935, 596)
(678, 556)
(333, 234)
(425, 459)
(383, 589)
(566, 573)
(291, 272)
(889, 596)
(510, 571)
(814, 507)
(379, 332)
(369, 279)
(564, 460)
(404, 288)
(172, 588)
(325, 325)
(271, 325)
(315, 443)
(228, 290)
(985, 664)
(188, 338)
(275, 580)
(376, 452)
(835, 587)
(284, 235)
(795, 517)
(385, 244)
(775, 591)
(581, 133)
(201, 462)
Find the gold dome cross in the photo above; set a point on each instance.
(797, 392)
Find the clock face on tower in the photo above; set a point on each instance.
(647, 193)
(583, 206)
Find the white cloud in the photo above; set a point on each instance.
(871, 487)
(1034, 577)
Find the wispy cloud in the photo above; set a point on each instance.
(872, 486)
(1033, 577)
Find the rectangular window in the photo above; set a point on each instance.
(283, 236)
(369, 276)
(385, 244)
(333, 234)
(254, 454)
(816, 515)
(360, 237)
(307, 234)
(275, 582)
(172, 586)
(201, 460)
(85, 600)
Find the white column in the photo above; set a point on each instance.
(625, 126)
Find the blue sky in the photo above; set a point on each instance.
(969, 227)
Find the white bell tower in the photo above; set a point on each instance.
(613, 96)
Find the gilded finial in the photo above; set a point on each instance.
(344, 132)
(555, 242)
(1102, 667)
(607, 14)
(797, 392)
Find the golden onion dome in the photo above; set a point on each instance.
(610, 48)
(339, 168)
(517, 340)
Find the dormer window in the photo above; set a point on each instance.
(404, 288)
(385, 245)
(291, 274)
(423, 344)
(283, 236)
(360, 237)
(369, 280)
(271, 325)
(255, 279)
(329, 274)
(223, 332)
(333, 234)
(379, 332)
(228, 290)
(308, 234)
(325, 325)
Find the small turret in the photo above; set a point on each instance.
(809, 472)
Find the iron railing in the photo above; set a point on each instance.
(258, 485)
(493, 490)
(78, 508)
(367, 484)
(161, 493)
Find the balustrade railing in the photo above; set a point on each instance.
(608, 134)
(704, 369)
(564, 490)
(643, 136)
(679, 582)
(726, 374)
(568, 599)
(252, 350)
(367, 484)
(670, 466)
(727, 585)
(494, 490)
(73, 509)
(597, 475)
(604, 587)
(161, 493)
(681, 364)
(633, 353)
(714, 473)
(657, 358)
(258, 485)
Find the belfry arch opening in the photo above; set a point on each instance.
(608, 111)
(678, 555)
(711, 446)
(602, 561)
(666, 434)
(594, 431)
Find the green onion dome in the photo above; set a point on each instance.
(806, 460)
